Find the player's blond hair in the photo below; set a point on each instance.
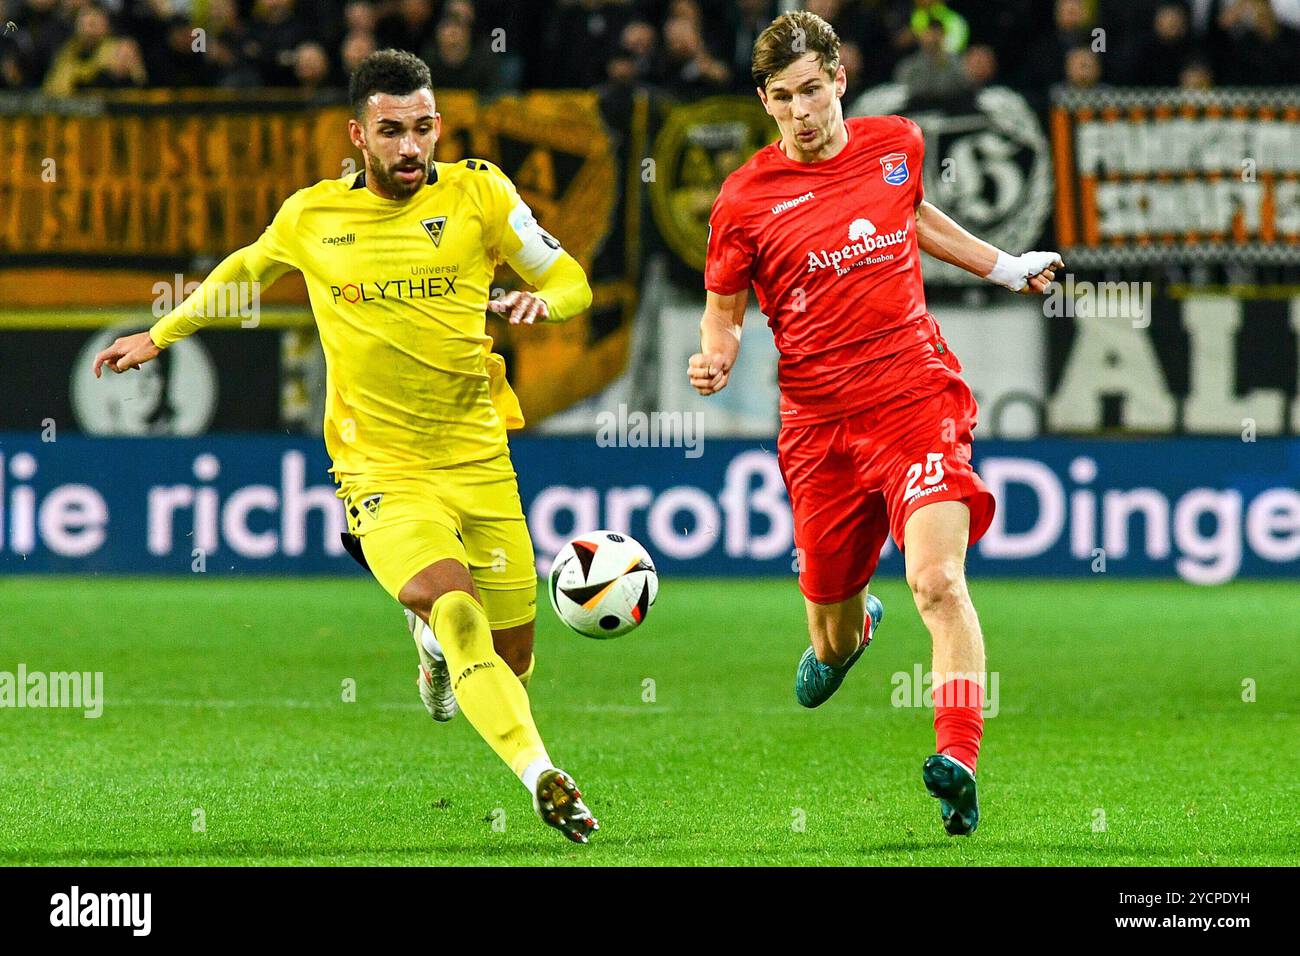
(791, 37)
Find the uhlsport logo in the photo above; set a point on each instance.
(791, 203)
(894, 168)
(863, 240)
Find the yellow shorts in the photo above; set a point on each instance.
(470, 512)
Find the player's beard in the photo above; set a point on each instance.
(386, 177)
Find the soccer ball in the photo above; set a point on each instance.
(603, 584)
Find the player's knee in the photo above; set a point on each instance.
(458, 621)
(417, 597)
(938, 586)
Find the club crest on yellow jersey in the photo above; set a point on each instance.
(434, 228)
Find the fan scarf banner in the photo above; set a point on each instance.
(1151, 177)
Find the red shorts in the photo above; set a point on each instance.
(855, 480)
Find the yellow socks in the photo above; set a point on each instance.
(490, 696)
(527, 675)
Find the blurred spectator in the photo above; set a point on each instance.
(462, 10)
(274, 36)
(932, 72)
(980, 65)
(227, 38)
(615, 97)
(690, 9)
(357, 45)
(1204, 13)
(455, 63)
(860, 22)
(359, 17)
(637, 46)
(410, 27)
(27, 54)
(311, 67)
(828, 10)
(125, 69)
(1082, 68)
(1045, 60)
(851, 60)
(578, 37)
(686, 67)
(687, 46)
(746, 20)
(1002, 25)
(83, 56)
(178, 62)
(149, 22)
(1196, 75)
(1257, 48)
(955, 30)
(1072, 18)
(1160, 55)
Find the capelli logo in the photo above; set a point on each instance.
(348, 240)
(74, 908)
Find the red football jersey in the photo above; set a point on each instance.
(831, 249)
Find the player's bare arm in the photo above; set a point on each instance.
(724, 316)
(941, 237)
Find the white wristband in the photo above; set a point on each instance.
(1008, 271)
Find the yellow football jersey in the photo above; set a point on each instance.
(399, 290)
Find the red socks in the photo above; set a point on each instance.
(959, 720)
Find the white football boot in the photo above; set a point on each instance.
(558, 803)
(434, 680)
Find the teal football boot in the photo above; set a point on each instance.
(954, 785)
(815, 682)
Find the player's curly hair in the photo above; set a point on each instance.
(387, 71)
(791, 37)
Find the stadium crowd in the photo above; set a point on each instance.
(683, 48)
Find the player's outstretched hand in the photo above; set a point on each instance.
(525, 308)
(1040, 270)
(709, 373)
(128, 352)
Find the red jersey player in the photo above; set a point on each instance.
(827, 224)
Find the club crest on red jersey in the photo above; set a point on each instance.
(894, 168)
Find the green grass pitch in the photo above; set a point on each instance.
(1122, 735)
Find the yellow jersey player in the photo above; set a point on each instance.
(398, 261)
